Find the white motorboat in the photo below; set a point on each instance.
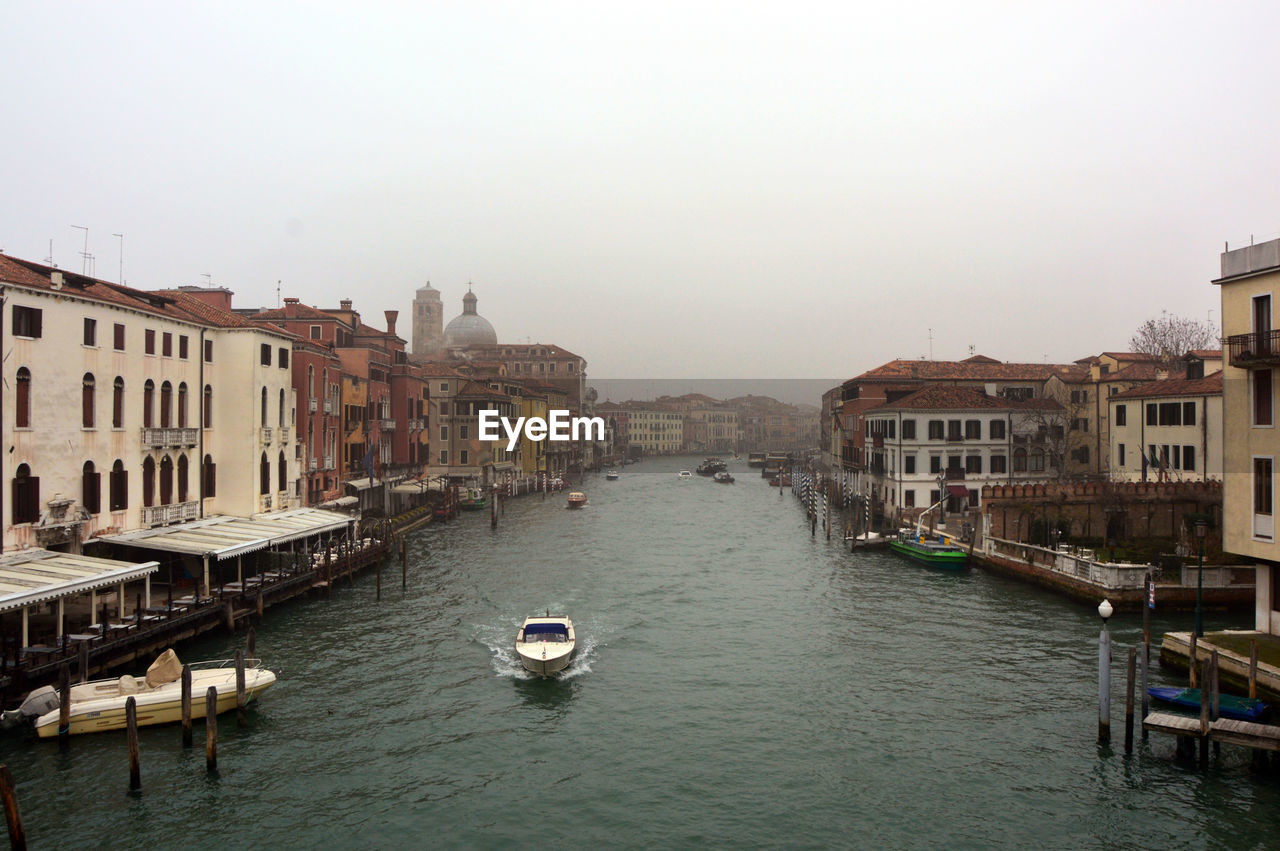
(612, 475)
(686, 474)
(545, 645)
(100, 705)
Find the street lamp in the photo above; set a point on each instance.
(1104, 675)
(1201, 527)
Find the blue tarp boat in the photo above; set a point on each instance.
(1229, 706)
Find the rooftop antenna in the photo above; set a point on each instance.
(972, 350)
(120, 277)
(277, 294)
(84, 264)
(209, 279)
(930, 344)
(49, 259)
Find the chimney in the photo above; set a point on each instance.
(391, 320)
(345, 304)
(290, 301)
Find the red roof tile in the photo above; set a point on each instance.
(944, 397)
(1210, 385)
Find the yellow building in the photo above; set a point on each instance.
(1250, 285)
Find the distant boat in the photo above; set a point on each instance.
(685, 474)
(577, 499)
(612, 475)
(724, 477)
(545, 645)
(473, 500)
(1229, 706)
(939, 552)
(755, 459)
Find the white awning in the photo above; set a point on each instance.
(340, 502)
(223, 537)
(37, 576)
(360, 484)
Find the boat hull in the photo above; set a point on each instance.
(542, 656)
(157, 706)
(535, 664)
(944, 559)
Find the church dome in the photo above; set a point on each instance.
(469, 329)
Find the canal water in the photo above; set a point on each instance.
(739, 683)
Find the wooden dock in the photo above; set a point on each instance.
(1228, 730)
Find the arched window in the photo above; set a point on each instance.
(148, 402)
(148, 483)
(280, 476)
(281, 407)
(182, 405)
(26, 496)
(166, 480)
(208, 406)
(119, 486)
(264, 407)
(208, 477)
(264, 472)
(86, 400)
(1019, 460)
(22, 416)
(182, 478)
(166, 405)
(117, 403)
(91, 489)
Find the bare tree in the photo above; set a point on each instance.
(1169, 337)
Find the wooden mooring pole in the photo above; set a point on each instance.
(131, 727)
(1204, 718)
(1104, 685)
(82, 647)
(240, 697)
(404, 568)
(64, 705)
(12, 815)
(1191, 661)
(211, 730)
(186, 706)
(1213, 708)
(1128, 700)
(1253, 668)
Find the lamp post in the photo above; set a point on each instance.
(1104, 675)
(1201, 527)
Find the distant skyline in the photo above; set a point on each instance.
(669, 190)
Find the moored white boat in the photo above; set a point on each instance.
(99, 705)
(546, 644)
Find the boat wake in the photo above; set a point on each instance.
(500, 639)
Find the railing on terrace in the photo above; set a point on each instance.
(388, 425)
(312, 405)
(328, 462)
(158, 438)
(1113, 576)
(160, 515)
(330, 406)
(1259, 349)
(284, 434)
(266, 434)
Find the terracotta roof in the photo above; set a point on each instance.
(475, 388)
(298, 310)
(1206, 354)
(1144, 372)
(979, 359)
(1210, 385)
(970, 370)
(942, 397)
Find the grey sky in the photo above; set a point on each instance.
(718, 190)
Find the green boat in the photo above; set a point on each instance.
(473, 500)
(936, 553)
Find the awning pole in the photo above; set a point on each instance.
(93, 607)
(62, 614)
(26, 637)
(147, 592)
(206, 574)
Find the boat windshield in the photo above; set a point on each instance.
(546, 632)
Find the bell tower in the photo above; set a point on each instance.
(428, 322)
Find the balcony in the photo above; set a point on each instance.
(312, 405)
(313, 465)
(266, 435)
(1250, 350)
(161, 515)
(387, 425)
(264, 502)
(159, 438)
(330, 406)
(328, 462)
(284, 434)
